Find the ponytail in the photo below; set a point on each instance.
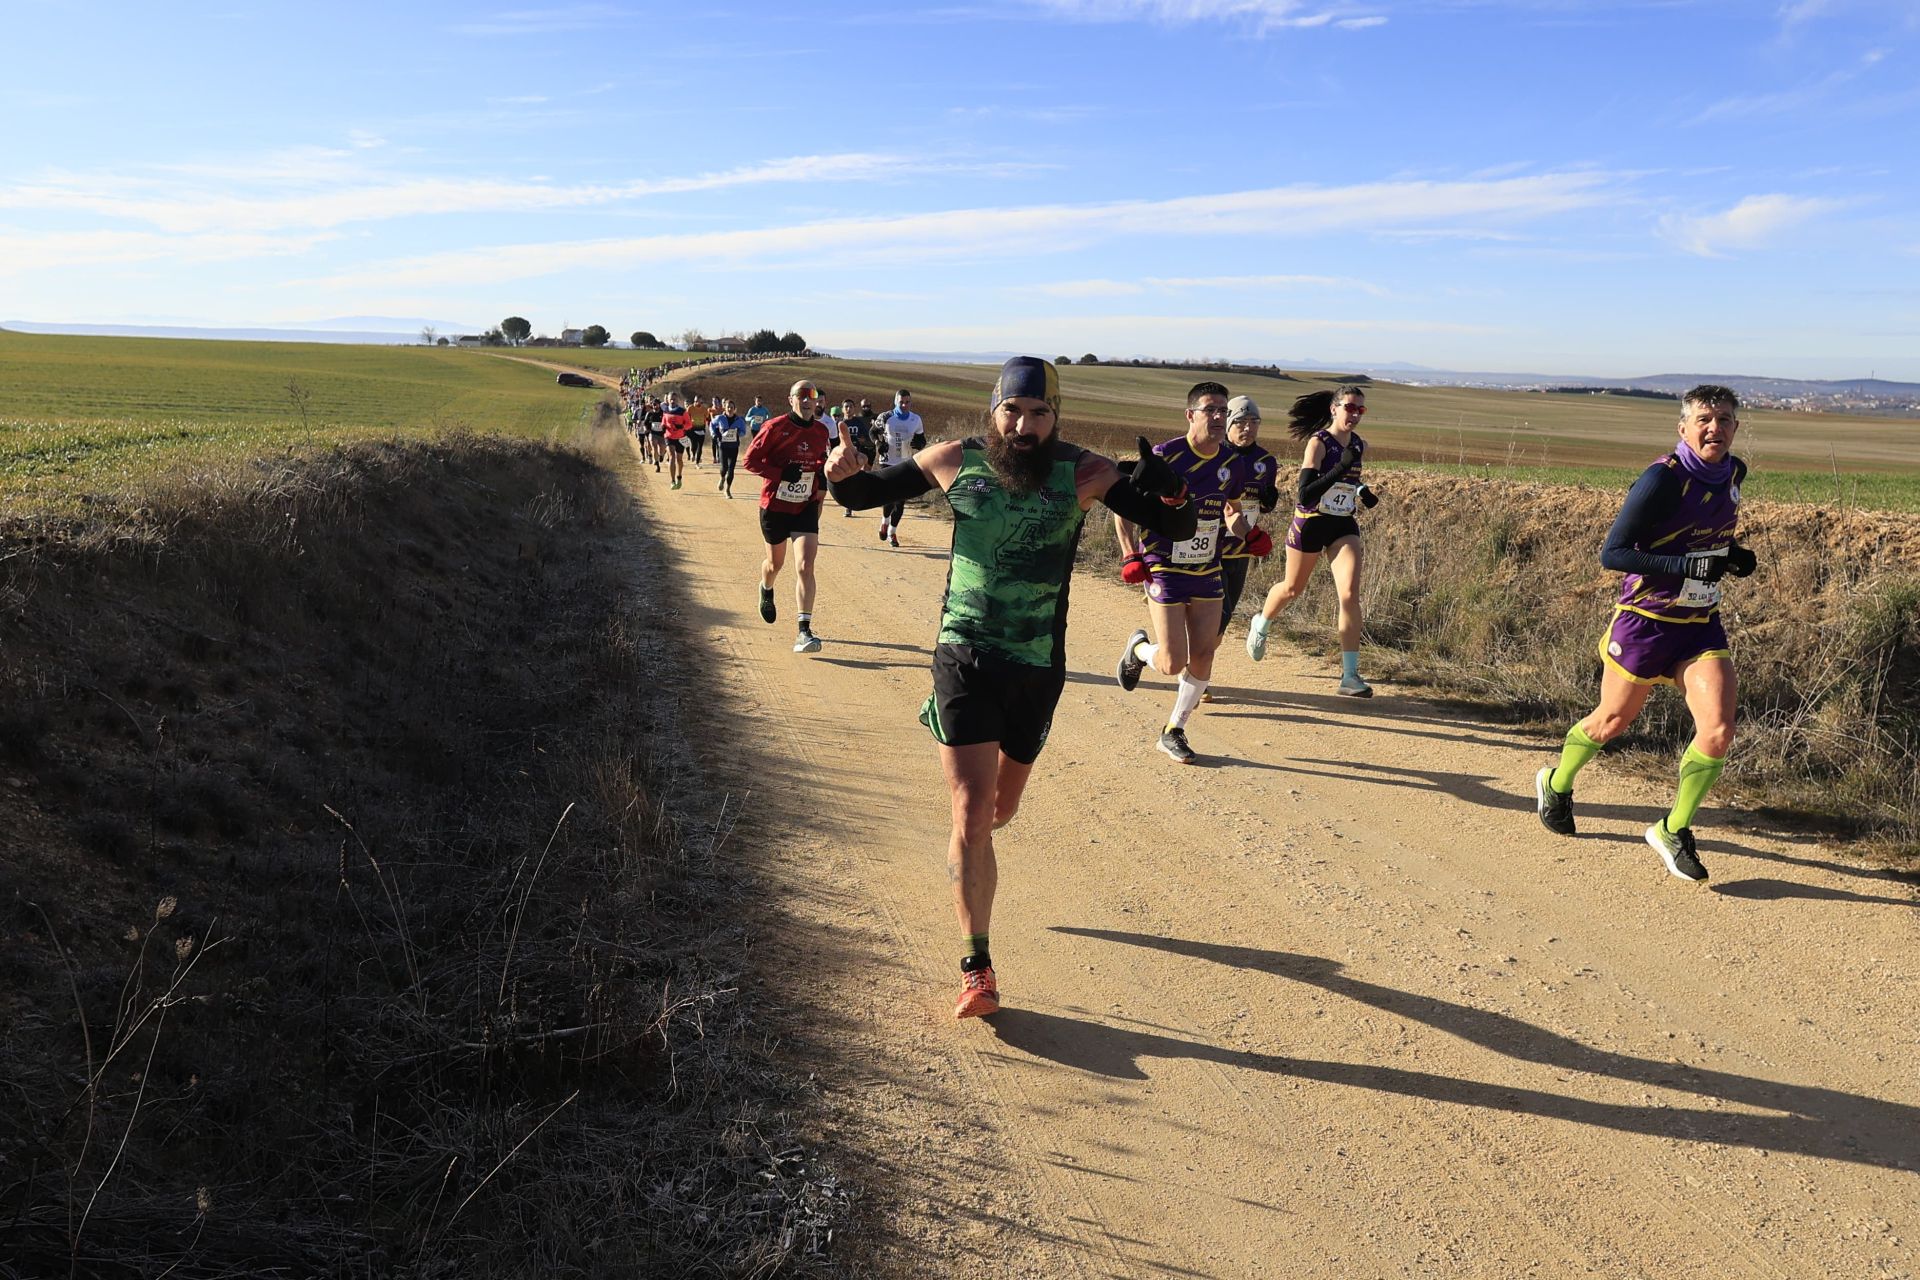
(1310, 413)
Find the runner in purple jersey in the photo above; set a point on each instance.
(1329, 492)
(1184, 588)
(1259, 498)
(1674, 539)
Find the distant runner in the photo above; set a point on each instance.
(674, 421)
(656, 432)
(789, 455)
(901, 433)
(727, 428)
(1019, 495)
(757, 415)
(1183, 576)
(1674, 539)
(1329, 492)
(698, 415)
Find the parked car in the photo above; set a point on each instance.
(573, 379)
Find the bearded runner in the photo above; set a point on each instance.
(1019, 495)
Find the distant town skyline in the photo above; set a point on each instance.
(1611, 190)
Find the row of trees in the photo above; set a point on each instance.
(515, 331)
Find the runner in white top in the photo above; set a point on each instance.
(901, 435)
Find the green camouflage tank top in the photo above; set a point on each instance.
(1012, 558)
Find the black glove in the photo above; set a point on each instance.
(1269, 499)
(1152, 475)
(1740, 561)
(919, 440)
(1705, 568)
(1349, 457)
(1368, 498)
(791, 472)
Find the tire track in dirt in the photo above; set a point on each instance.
(1333, 1005)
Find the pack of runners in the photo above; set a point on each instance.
(1187, 514)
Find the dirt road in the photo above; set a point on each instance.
(1329, 1004)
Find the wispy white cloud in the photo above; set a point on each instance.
(1261, 15)
(34, 252)
(1117, 335)
(1178, 284)
(999, 232)
(1750, 224)
(320, 187)
(555, 18)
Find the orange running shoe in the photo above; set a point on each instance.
(979, 994)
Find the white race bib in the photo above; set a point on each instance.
(1696, 594)
(1340, 500)
(799, 490)
(1201, 547)
(729, 435)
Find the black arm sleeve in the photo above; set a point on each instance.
(866, 489)
(1313, 485)
(1147, 511)
(1648, 502)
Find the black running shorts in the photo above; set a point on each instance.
(982, 697)
(1316, 533)
(778, 526)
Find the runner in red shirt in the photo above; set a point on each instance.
(790, 455)
(674, 418)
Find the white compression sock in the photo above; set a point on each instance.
(1145, 651)
(1186, 700)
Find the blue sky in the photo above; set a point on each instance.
(1608, 188)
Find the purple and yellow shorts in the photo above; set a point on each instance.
(1184, 588)
(1648, 651)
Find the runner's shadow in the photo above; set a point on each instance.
(867, 665)
(1804, 1119)
(1233, 712)
(882, 644)
(1765, 890)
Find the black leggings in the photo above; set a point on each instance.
(726, 455)
(893, 513)
(1233, 579)
(699, 440)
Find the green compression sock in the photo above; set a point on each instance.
(1697, 773)
(1574, 755)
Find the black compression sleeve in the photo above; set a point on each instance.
(865, 489)
(1648, 502)
(1313, 484)
(1147, 511)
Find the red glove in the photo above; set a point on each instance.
(1260, 543)
(1133, 570)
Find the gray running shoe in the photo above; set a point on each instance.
(1555, 809)
(767, 612)
(1127, 670)
(1174, 743)
(1355, 687)
(1257, 637)
(806, 642)
(1676, 850)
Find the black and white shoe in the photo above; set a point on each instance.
(1676, 850)
(1174, 743)
(767, 612)
(1128, 670)
(1555, 809)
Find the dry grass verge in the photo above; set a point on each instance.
(347, 930)
(1493, 591)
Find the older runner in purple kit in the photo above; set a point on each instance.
(1674, 539)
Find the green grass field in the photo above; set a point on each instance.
(1827, 459)
(80, 414)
